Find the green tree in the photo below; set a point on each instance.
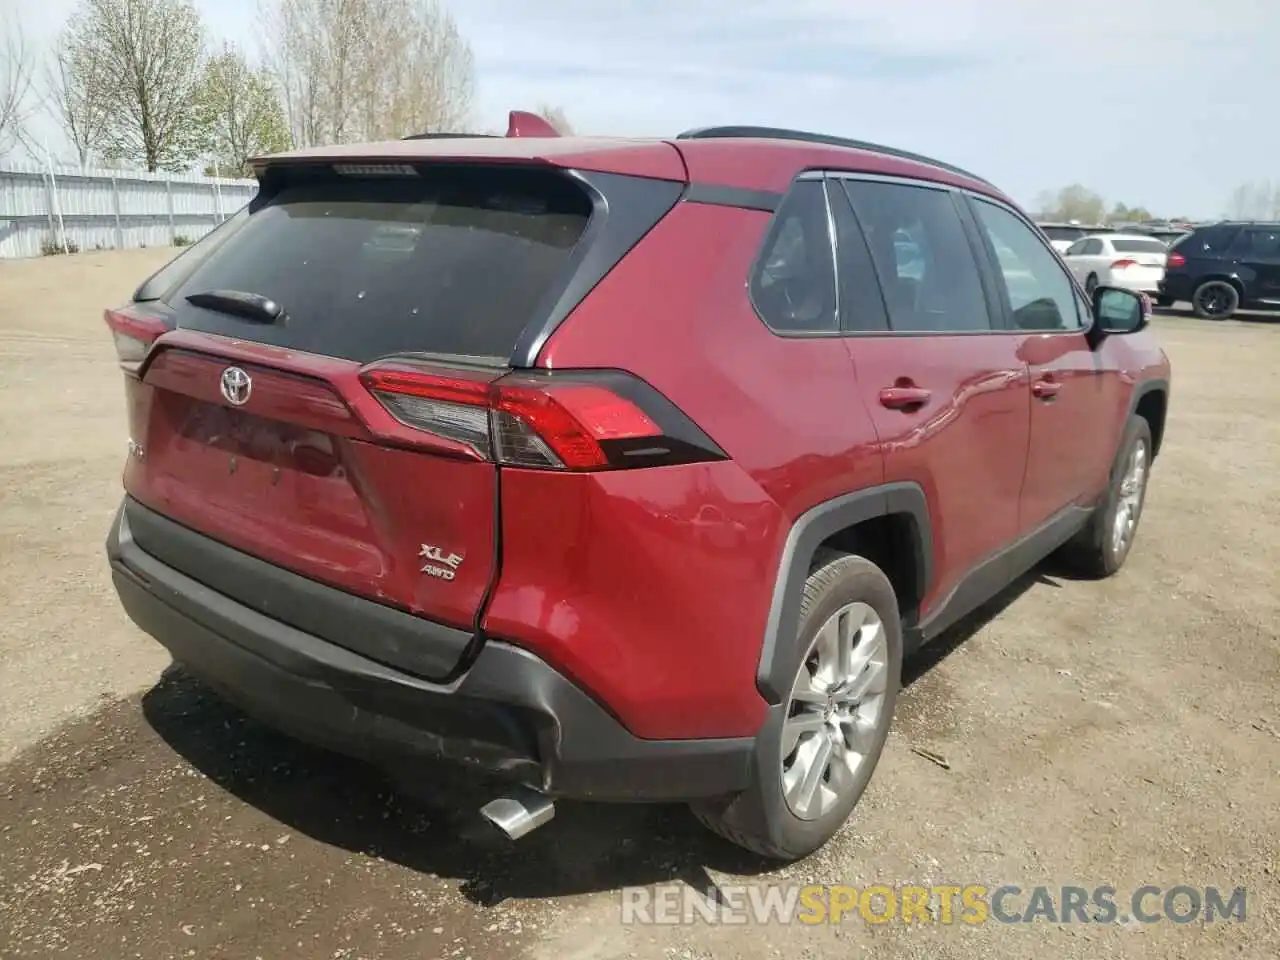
(241, 114)
(1122, 213)
(1077, 202)
(1071, 203)
(145, 58)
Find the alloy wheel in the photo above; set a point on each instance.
(1214, 299)
(835, 710)
(1132, 484)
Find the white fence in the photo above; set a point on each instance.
(44, 208)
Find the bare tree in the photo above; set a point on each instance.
(557, 118)
(241, 112)
(144, 58)
(368, 69)
(15, 83)
(1254, 201)
(76, 92)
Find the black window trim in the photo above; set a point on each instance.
(999, 318)
(993, 264)
(985, 260)
(843, 197)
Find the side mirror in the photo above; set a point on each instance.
(1119, 311)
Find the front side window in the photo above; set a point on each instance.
(1041, 295)
(793, 285)
(922, 257)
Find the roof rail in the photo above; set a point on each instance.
(445, 136)
(778, 133)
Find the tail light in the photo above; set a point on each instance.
(1124, 264)
(590, 420)
(1175, 260)
(133, 331)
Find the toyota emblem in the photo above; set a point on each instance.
(236, 386)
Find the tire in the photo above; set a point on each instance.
(842, 591)
(1098, 551)
(1091, 284)
(1215, 300)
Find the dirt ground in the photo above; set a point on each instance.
(1117, 733)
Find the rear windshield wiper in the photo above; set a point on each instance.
(250, 306)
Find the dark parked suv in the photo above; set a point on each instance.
(623, 470)
(1225, 267)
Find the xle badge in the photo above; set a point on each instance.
(438, 563)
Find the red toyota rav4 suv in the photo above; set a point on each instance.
(625, 470)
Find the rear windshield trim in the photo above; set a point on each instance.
(626, 209)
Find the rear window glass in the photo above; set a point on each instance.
(1063, 233)
(1137, 245)
(450, 261)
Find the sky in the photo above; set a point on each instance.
(1168, 104)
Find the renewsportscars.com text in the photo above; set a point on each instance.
(936, 904)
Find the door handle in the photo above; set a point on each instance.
(904, 398)
(1045, 389)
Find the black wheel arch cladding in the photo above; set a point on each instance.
(1145, 389)
(779, 650)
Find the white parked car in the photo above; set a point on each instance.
(1127, 260)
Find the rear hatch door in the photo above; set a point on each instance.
(257, 430)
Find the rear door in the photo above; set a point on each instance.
(945, 386)
(1073, 396)
(267, 434)
(1256, 252)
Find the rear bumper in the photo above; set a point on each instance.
(1148, 284)
(509, 714)
(1178, 286)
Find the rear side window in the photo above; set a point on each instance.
(1208, 242)
(1138, 245)
(793, 284)
(452, 261)
(1257, 244)
(922, 256)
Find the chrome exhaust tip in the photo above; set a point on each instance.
(520, 813)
